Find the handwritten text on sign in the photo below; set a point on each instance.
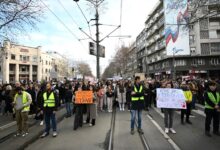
(84, 97)
(171, 98)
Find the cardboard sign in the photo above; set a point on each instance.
(84, 97)
(171, 98)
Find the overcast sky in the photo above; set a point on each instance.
(53, 36)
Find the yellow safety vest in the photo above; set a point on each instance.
(24, 100)
(188, 96)
(50, 102)
(133, 98)
(213, 99)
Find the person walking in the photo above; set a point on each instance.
(212, 108)
(137, 104)
(49, 108)
(22, 101)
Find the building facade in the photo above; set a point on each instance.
(204, 58)
(24, 63)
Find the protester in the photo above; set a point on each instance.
(100, 96)
(92, 108)
(110, 96)
(49, 108)
(68, 100)
(188, 96)
(22, 101)
(212, 108)
(121, 96)
(137, 104)
(168, 115)
(128, 95)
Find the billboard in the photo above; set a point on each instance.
(176, 27)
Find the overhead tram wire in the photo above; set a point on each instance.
(85, 18)
(67, 28)
(67, 12)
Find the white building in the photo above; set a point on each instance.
(24, 63)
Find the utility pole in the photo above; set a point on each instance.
(97, 41)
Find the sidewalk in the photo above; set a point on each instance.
(34, 132)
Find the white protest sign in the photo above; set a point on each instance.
(171, 98)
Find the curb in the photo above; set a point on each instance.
(37, 136)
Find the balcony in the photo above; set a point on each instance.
(11, 72)
(214, 2)
(24, 72)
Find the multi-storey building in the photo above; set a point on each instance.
(24, 63)
(131, 67)
(19, 63)
(204, 58)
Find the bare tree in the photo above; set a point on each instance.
(84, 69)
(18, 15)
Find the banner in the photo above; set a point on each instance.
(176, 27)
(84, 97)
(170, 98)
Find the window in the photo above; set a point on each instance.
(205, 49)
(193, 50)
(215, 61)
(46, 62)
(12, 56)
(215, 48)
(213, 34)
(191, 39)
(34, 58)
(204, 24)
(180, 63)
(218, 34)
(204, 34)
(198, 62)
(24, 58)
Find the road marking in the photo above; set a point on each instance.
(200, 106)
(173, 144)
(8, 125)
(199, 112)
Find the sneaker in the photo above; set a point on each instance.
(41, 123)
(90, 125)
(172, 131)
(166, 130)
(25, 134)
(54, 133)
(17, 134)
(140, 131)
(44, 135)
(189, 122)
(132, 131)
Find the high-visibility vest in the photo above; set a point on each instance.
(50, 101)
(24, 100)
(213, 99)
(188, 96)
(134, 98)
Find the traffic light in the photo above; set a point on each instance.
(91, 48)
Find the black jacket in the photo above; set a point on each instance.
(68, 96)
(137, 105)
(207, 100)
(49, 108)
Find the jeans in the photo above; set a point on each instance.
(133, 117)
(50, 116)
(194, 97)
(68, 108)
(168, 117)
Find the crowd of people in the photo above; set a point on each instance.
(43, 100)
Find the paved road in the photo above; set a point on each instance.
(188, 137)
